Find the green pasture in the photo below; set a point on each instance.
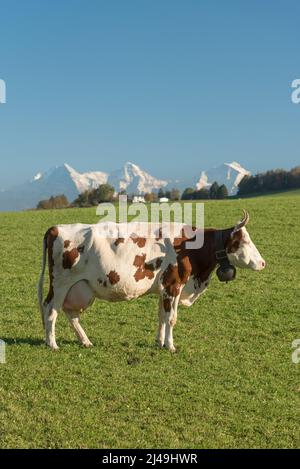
(231, 383)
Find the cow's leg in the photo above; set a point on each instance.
(172, 281)
(160, 338)
(167, 320)
(51, 308)
(74, 318)
(171, 318)
(50, 316)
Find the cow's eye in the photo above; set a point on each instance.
(234, 247)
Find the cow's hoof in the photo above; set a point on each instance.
(51, 345)
(171, 348)
(54, 347)
(87, 344)
(159, 344)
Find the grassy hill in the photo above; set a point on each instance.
(231, 382)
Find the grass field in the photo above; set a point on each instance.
(231, 382)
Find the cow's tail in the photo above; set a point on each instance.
(41, 279)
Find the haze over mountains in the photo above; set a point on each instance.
(66, 180)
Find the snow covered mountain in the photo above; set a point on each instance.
(59, 180)
(135, 181)
(229, 174)
(66, 180)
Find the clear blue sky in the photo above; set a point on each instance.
(174, 86)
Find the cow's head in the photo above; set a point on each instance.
(241, 251)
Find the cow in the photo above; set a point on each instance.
(84, 265)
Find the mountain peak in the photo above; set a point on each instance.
(64, 179)
(134, 180)
(69, 168)
(229, 174)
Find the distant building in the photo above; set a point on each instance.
(163, 199)
(138, 199)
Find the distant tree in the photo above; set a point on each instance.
(82, 200)
(174, 194)
(202, 194)
(188, 194)
(155, 196)
(222, 192)
(161, 193)
(270, 181)
(149, 197)
(103, 193)
(213, 191)
(43, 205)
(54, 202)
(62, 201)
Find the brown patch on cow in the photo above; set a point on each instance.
(195, 263)
(159, 234)
(167, 305)
(69, 258)
(49, 238)
(201, 262)
(235, 242)
(154, 264)
(113, 277)
(144, 269)
(119, 241)
(67, 243)
(171, 280)
(139, 261)
(198, 263)
(149, 266)
(138, 240)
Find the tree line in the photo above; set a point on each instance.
(270, 181)
(214, 192)
(106, 193)
(58, 201)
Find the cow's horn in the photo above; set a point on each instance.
(243, 222)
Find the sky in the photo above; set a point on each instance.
(174, 86)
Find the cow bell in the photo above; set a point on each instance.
(226, 272)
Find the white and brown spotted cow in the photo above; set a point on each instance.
(84, 265)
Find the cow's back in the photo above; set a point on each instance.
(117, 268)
